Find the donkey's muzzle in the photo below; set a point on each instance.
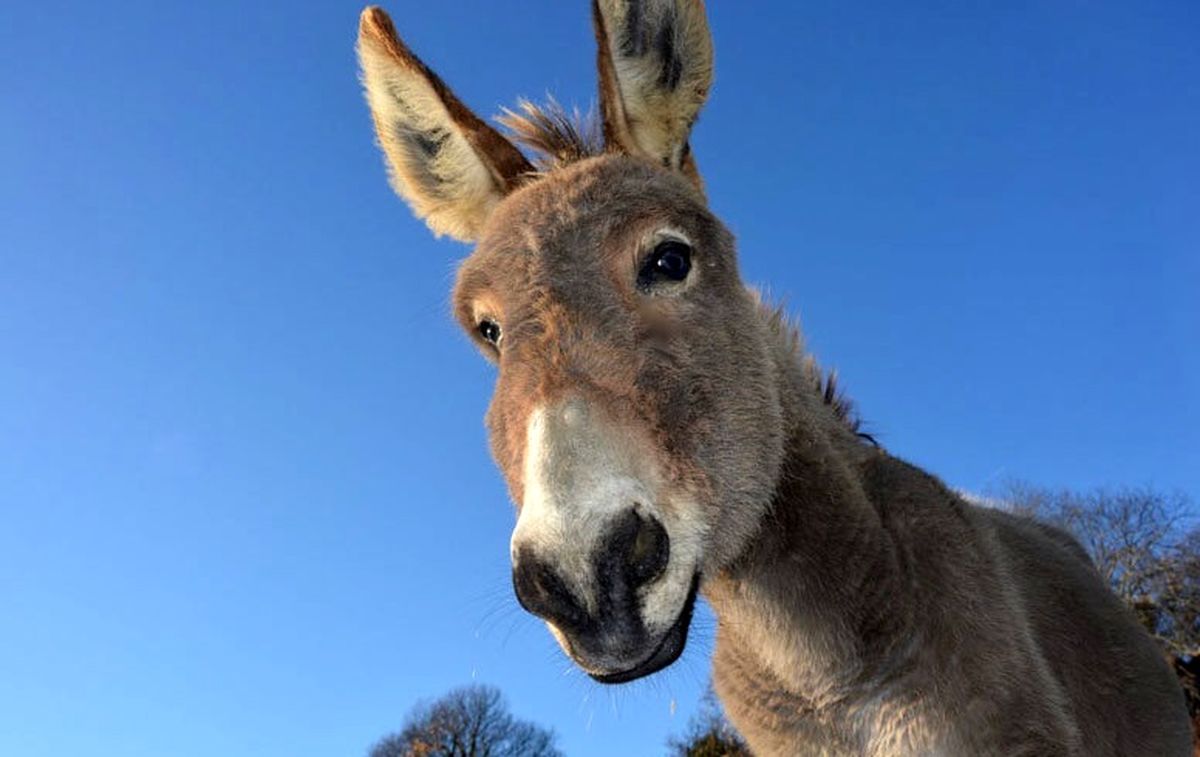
(542, 592)
(634, 553)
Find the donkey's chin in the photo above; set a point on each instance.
(666, 651)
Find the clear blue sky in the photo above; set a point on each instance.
(246, 505)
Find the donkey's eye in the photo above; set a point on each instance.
(490, 331)
(670, 261)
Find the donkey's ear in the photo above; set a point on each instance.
(656, 65)
(449, 165)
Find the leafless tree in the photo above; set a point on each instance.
(469, 722)
(709, 734)
(1143, 545)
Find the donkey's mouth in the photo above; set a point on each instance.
(667, 651)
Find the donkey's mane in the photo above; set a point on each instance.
(824, 384)
(555, 136)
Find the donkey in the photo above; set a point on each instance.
(663, 432)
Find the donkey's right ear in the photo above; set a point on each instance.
(449, 165)
(656, 66)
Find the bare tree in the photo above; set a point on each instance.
(469, 722)
(709, 734)
(1180, 597)
(1140, 542)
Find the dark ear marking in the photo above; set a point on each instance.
(421, 147)
(639, 30)
(668, 53)
(632, 42)
(427, 143)
(424, 148)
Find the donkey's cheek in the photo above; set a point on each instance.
(507, 451)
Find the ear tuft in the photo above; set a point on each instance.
(450, 166)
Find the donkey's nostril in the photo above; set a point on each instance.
(542, 592)
(650, 552)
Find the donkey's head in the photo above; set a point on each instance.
(635, 416)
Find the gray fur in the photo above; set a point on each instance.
(863, 607)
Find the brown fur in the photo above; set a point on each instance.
(436, 147)
(556, 138)
(863, 607)
(649, 102)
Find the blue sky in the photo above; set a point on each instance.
(246, 501)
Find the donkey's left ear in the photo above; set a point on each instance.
(449, 165)
(656, 66)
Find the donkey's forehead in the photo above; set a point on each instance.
(596, 198)
(561, 233)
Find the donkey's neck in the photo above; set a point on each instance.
(814, 606)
